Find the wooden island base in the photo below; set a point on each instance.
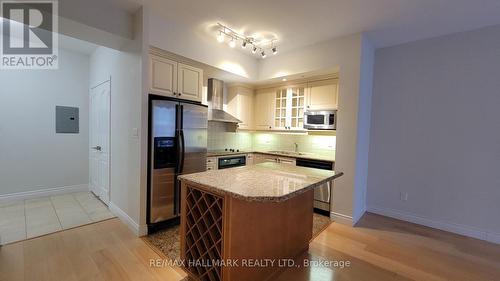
(224, 228)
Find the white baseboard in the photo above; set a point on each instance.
(18, 196)
(493, 238)
(138, 230)
(340, 218)
(461, 229)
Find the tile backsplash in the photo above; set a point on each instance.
(221, 136)
(320, 145)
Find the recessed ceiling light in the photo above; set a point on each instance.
(284, 79)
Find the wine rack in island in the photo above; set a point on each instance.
(218, 229)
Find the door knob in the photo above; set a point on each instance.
(98, 148)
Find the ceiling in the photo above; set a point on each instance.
(298, 23)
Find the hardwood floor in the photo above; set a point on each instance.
(103, 251)
(379, 248)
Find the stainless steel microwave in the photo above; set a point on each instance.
(320, 120)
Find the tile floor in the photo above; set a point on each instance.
(35, 217)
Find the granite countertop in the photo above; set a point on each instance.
(302, 156)
(273, 182)
(225, 153)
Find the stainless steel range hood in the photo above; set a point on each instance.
(215, 97)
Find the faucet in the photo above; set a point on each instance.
(296, 147)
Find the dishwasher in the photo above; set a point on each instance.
(322, 194)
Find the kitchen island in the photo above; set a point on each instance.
(243, 223)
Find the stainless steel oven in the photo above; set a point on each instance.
(231, 161)
(320, 120)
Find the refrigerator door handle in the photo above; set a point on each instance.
(178, 151)
(182, 151)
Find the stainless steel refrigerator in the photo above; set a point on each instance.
(178, 145)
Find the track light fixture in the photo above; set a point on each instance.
(257, 45)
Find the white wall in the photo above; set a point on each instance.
(32, 156)
(347, 54)
(124, 68)
(363, 130)
(435, 133)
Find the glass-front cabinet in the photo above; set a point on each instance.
(289, 108)
(280, 109)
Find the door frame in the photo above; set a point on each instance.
(109, 136)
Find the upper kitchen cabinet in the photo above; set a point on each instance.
(289, 106)
(173, 79)
(263, 109)
(189, 82)
(163, 80)
(322, 94)
(240, 103)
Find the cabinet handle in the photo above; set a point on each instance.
(179, 94)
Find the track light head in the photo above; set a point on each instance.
(254, 50)
(263, 54)
(275, 50)
(220, 37)
(244, 44)
(232, 43)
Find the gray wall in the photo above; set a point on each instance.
(435, 133)
(32, 155)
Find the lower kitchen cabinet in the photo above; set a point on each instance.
(285, 160)
(211, 163)
(261, 158)
(250, 159)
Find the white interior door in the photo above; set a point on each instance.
(99, 131)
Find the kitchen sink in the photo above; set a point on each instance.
(284, 152)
